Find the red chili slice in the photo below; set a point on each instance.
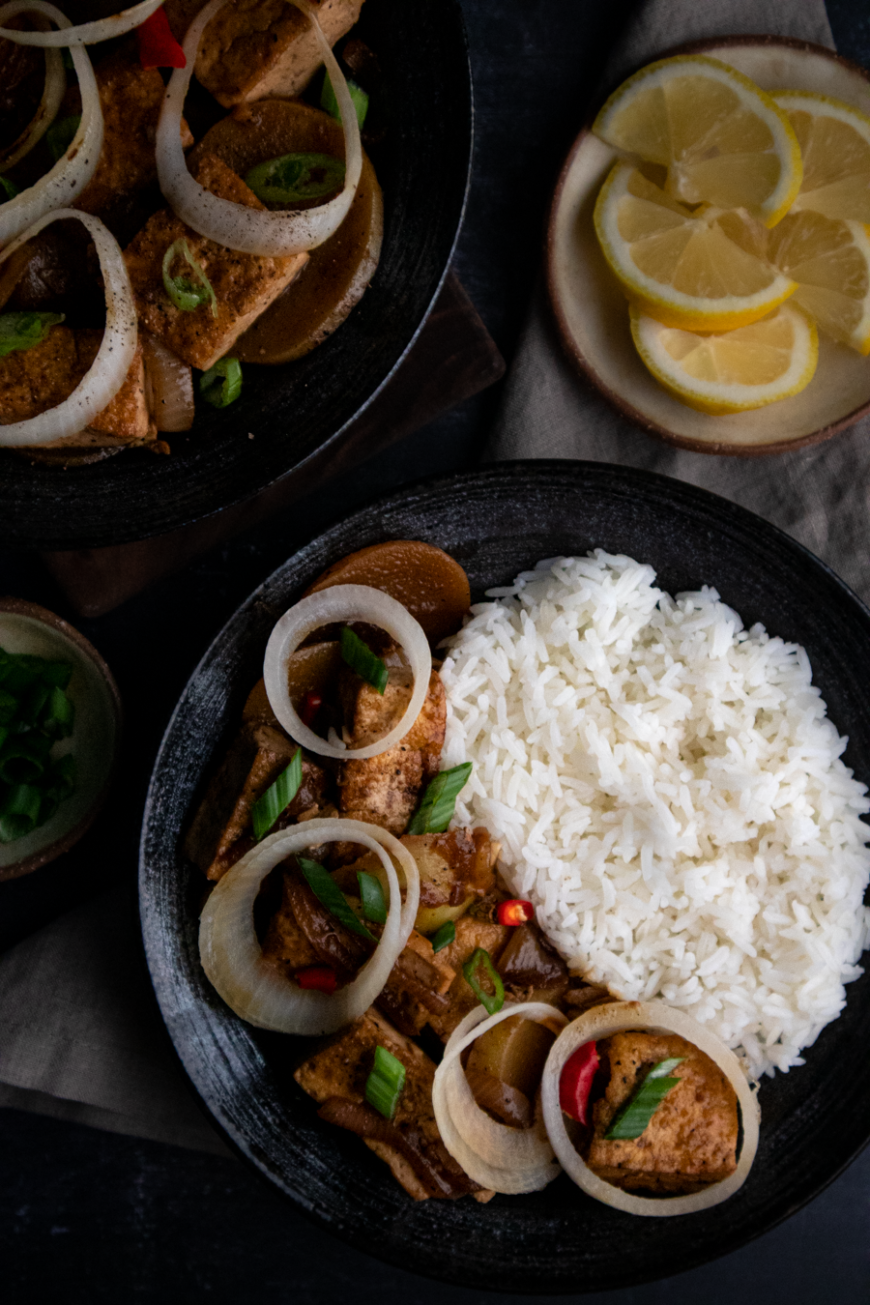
(515, 912)
(158, 48)
(311, 705)
(320, 977)
(575, 1083)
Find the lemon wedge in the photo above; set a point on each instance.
(701, 270)
(723, 140)
(735, 371)
(835, 144)
(830, 261)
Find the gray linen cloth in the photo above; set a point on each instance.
(79, 1035)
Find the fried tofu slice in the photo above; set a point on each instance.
(472, 931)
(221, 832)
(130, 97)
(385, 790)
(244, 284)
(258, 48)
(34, 380)
(691, 1140)
(411, 1144)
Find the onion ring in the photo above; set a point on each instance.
(114, 357)
(231, 955)
(102, 29)
(618, 1017)
(505, 1159)
(344, 603)
(251, 231)
(52, 94)
(69, 176)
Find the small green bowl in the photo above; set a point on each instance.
(25, 627)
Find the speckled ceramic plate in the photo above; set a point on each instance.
(592, 314)
(300, 411)
(497, 522)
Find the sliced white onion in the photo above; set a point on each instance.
(168, 386)
(69, 176)
(52, 94)
(508, 1160)
(344, 603)
(251, 231)
(102, 29)
(231, 955)
(619, 1017)
(114, 357)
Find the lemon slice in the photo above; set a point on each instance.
(723, 140)
(696, 270)
(830, 261)
(835, 145)
(734, 372)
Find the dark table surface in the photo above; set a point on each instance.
(89, 1217)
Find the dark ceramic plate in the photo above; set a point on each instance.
(496, 523)
(301, 411)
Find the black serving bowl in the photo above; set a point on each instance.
(299, 412)
(497, 522)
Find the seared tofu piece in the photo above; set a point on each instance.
(384, 790)
(33, 380)
(244, 284)
(221, 832)
(472, 931)
(691, 1140)
(130, 97)
(258, 48)
(417, 1157)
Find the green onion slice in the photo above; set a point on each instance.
(444, 936)
(632, 1118)
(277, 797)
(23, 759)
(20, 813)
(385, 1083)
(184, 293)
(9, 188)
(221, 385)
(435, 811)
(372, 897)
(360, 658)
(292, 178)
(23, 331)
(328, 893)
(8, 706)
(60, 134)
(357, 94)
(491, 1001)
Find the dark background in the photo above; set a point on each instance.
(87, 1216)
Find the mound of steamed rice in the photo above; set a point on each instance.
(669, 793)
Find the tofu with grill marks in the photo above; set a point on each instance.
(244, 284)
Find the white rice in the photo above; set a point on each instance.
(669, 793)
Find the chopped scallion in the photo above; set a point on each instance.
(8, 188)
(328, 893)
(491, 1001)
(23, 331)
(20, 813)
(359, 97)
(277, 797)
(360, 658)
(221, 385)
(385, 1082)
(632, 1118)
(439, 801)
(60, 135)
(293, 178)
(444, 936)
(58, 714)
(185, 294)
(372, 897)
